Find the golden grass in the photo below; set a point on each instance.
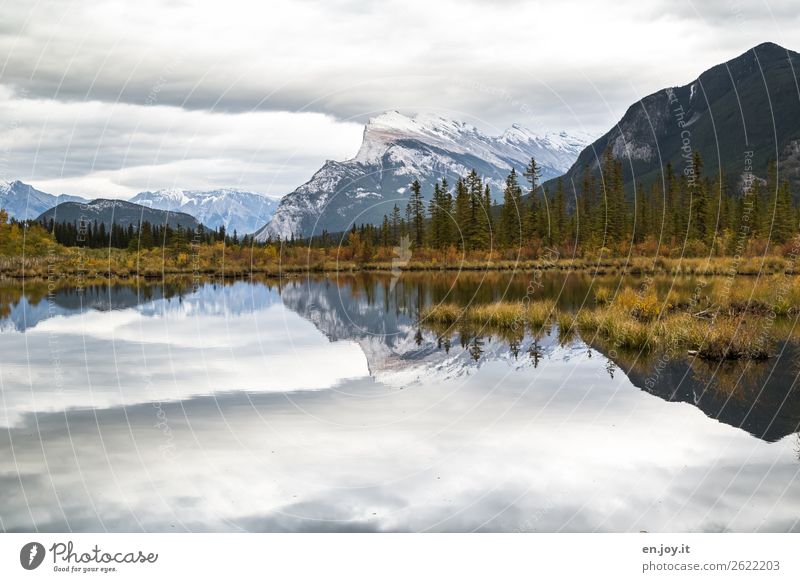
(632, 323)
(501, 315)
(274, 258)
(539, 313)
(567, 325)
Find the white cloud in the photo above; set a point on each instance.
(118, 149)
(180, 81)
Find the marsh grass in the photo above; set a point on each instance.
(539, 314)
(628, 322)
(442, 313)
(729, 338)
(567, 326)
(499, 315)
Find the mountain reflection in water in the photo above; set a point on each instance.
(323, 404)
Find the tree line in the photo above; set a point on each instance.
(144, 235)
(682, 209)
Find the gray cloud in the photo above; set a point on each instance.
(571, 65)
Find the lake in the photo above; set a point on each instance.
(324, 404)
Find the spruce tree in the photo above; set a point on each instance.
(559, 213)
(783, 227)
(511, 224)
(416, 214)
(532, 174)
(463, 214)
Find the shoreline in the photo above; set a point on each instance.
(770, 265)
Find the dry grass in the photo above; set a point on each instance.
(567, 325)
(443, 313)
(728, 338)
(503, 315)
(629, 324)
(539, 314)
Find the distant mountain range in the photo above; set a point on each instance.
(238, 210)
(397, 149)
(24, 202)
(120, 212)
(748, 104)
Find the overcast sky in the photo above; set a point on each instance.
(108, 98)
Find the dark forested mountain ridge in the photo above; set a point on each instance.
(120, 212)
(739, 115)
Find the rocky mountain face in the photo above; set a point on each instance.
(120, 212)
(739, 115)
(23, 202)
(397, 149)
(236, 210)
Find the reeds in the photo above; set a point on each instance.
(539, 314)
(627, 324)
(510, 315)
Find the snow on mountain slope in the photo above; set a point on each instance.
(237, 210)
(23, 202)
(397, 149)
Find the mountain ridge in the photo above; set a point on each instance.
(107, 211)
(24, 202)
(395, 150)
(237, 210)
(726, 111)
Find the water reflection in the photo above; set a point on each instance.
(322, 405)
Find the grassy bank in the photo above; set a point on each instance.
(718, 322)
(236, 261)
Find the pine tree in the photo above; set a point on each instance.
(699, 227)
(386, 232)
(641, 215)
(532, 173)
(396, 220)
(434, 211)
(614, 197)
(586, 209)
(511, 224)
(488, 220)
(559, 213)
(445, 214)
(463, 214)
(783, 227)
(478, 230)
(416, 214)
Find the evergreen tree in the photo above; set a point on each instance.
(511, 224)
(784, 225)
(478, 227)
(396, 220)
(463, 214)
(559, 213)
(532, 173)
(416, 214)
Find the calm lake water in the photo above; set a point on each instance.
(323, 405)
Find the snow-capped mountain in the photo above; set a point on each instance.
(24, 202)
(237, 210)
(395, 150)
